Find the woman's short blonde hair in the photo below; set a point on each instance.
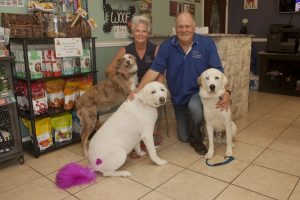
(141, 19)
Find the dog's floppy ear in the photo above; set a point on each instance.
(224, 80)
(143, 94)
(119, 63)
(200, 80)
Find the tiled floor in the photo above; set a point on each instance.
(267, 165)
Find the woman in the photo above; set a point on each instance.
(141, 48)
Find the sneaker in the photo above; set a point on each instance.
(199, 147)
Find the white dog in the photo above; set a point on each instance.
(212, 87)
(122, 132)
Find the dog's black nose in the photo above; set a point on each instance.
(212, 87)
(162, 99)
(127, 64)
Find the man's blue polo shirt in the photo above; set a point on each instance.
(183, 70)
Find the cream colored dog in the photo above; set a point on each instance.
(212, 87)
(122, 132)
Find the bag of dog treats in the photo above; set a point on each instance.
(55, 93)
(86, 84)
(77, 65)
(42, 131)
(22, 95)
(62, 127)
(35, 64)
(56, 64)
(68, 65)
(71, 92)
(39, 97)
(85, 61)
(47, 65)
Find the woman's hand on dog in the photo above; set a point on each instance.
(224, 102)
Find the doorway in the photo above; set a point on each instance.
(215, 15)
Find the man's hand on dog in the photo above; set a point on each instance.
(224, 102)
(132, 94)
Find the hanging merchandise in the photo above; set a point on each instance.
(116, 17)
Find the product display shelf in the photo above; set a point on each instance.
(9, 118)
(32, 145)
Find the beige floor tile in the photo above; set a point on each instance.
(277, 119)
(237, 193)
(76, 148)
(190, 185)
(261, 133)
(71, 198)
(296, 123)
(148, 173)
(156, 196)
(227, 172)
(286, 110)
(255, 139)
(266, 127)
(279, 161)
(12, 175)
(286, 145)
(246, 120)
(53, 161)
(182, 154)
(255, 96)
(267, 182)
(296, 193)
(114, 188)
(41, 188)
(292, 133)
(76, 189)
(242, 151)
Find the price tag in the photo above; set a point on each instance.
(120, 31)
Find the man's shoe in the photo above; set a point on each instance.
(199, 147)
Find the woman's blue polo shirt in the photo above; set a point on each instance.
(183, 70)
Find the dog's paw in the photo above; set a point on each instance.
(141, 153)
(228, 153)
(125, 173)
(161, 162)
(209, 155)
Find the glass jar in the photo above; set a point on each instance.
(54, 26)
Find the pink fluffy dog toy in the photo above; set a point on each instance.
(74, 174)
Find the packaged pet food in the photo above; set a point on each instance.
(42, 131)
(47, 64)
(55, 93)
(85, 61)
(35, 64)
(77, 65)
(22, 95)
(71, 92)
(86, 84)
(62, 127)
(39, 97)
(56, 64)
(76, 128)
(68, 66)
(19, 64)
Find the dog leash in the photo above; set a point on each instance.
(228, 160)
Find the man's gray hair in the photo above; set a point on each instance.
(141, 19)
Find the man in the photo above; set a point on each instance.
(184, 57)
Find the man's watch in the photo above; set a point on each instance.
(228, 92)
